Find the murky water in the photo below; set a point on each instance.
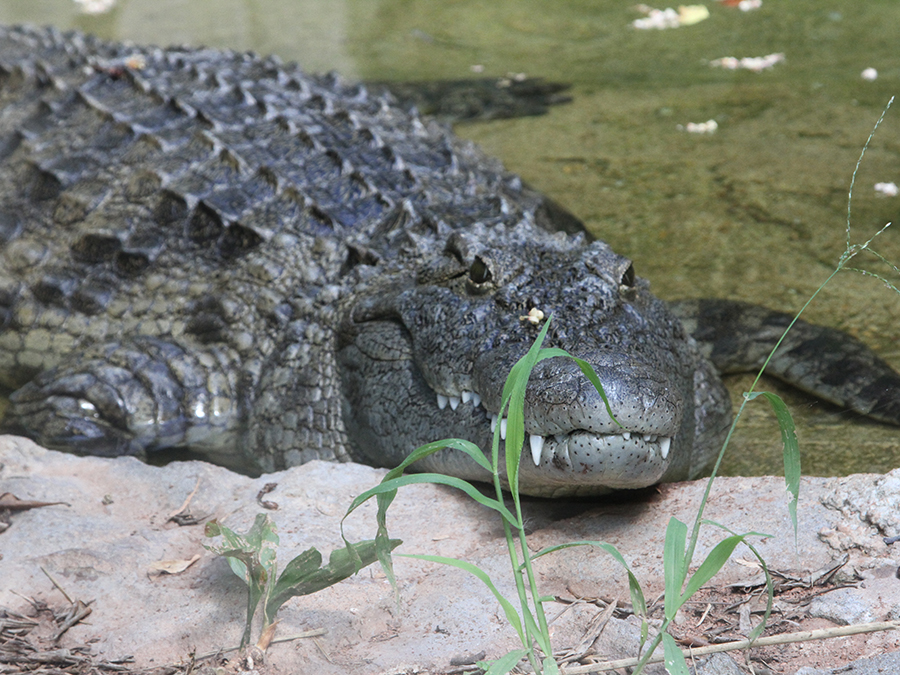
(756, 210)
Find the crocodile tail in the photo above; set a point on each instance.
(825, 362)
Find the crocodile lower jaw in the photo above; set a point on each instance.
(556, 448)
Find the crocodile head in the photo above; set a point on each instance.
(424, 355)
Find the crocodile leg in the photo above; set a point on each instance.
(825, 362)
(296, 415)
(127, 398)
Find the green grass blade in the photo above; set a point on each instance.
(252, 556)
(708, 568)
(770, 586)
(421, 452)
(791, 451)
(392, 484)
(770, 593)
(505, 663)
(305, 575)
(513, 401)
(674, 564)
(385, 492)
(674, 659)
(587, 369)
(532, 629)
(590, 374)
(300, 567)
(550, 666)
(509, 611)
(634, 587)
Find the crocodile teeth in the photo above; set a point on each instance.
(537, 445)
(626, 435)
(493, 423)
(503, 428)
(664, 445)
(465, 396)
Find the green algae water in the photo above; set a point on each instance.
(755, 210)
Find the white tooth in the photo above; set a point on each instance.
(503, 428)
(454, 402)
(537, 445)
(442, 401)
(493, 423)
(664, 446)
(476, 399)
(466, 395)
(626, 435)
(650, 438)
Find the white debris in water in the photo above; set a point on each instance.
(887, 189)
(660, 19)
(755, 63)
(708, 127)
(95, 6)
(534, 317)
(748, 5)
(869, 74)
(477, 68)
(510, 78)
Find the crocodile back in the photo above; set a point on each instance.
(206, 192)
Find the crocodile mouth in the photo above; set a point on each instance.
(579, 450)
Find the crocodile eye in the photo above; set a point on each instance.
(479, 272)
(627, 279)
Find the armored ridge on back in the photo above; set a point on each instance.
(215, 251)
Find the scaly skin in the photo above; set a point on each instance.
(213, 251)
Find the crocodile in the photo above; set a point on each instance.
(215, 252)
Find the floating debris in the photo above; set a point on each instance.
(755, 63)
(535, 316)
(887, 189)
(743, 5)
(95, 6)
(688, 15)
(660, 19)
(869, 74)
(707, 127)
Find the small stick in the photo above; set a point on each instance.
(306, 634)
(784, 638)
(186, 502)
(58, 587)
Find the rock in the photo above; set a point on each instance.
(103, 544)
(718, 664)
(878, 665)
(843, 607)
